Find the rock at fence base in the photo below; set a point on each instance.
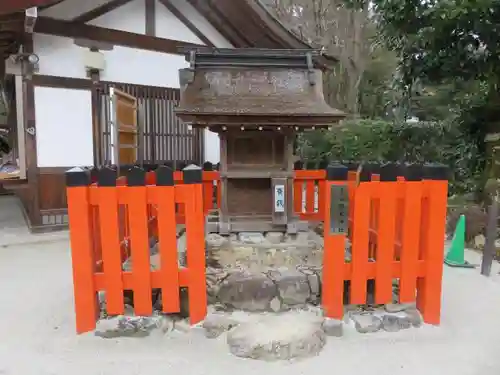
(394, 323)
(315, 287)
(398, 307)
(133, 326)
(216, 241)
(277, 337)
(274, 237)
(249, 292)
(366, 323)
(293, 287)
(414, 317)
(182, 326)
(216, 324)
(276, 305)
(333, 327)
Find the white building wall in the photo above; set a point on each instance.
(61, 57)
(129, 17)
(64, 127)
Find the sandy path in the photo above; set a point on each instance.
(38, 337)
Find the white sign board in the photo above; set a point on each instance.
(279, 198)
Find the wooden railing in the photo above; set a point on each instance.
(398, 233)
(117, 217)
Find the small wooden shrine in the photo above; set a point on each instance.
(256, 100)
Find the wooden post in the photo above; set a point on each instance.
(137, 205)
(491, 234)
(164, 196)
(107, 197)
(81, 240)
(195, 222)
(432, 244)
(335, 231)
(386, 234)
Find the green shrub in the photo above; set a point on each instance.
(383, 141)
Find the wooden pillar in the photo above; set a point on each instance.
(224, 225)
(30, 137)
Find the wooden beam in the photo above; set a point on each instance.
(61, 82)
(12, 6)
(181, 17)
(150, 17)
(223, 27)
(68, 29)
(30, 144)
(99, 11)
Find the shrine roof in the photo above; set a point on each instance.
(256, 86)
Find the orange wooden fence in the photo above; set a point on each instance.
(395, 220)
(103, 215)
(403, 221)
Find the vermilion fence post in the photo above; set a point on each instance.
(135, 195)
(386, 234)
(107, 198)
(412, 204)
(429, 287)
(335, 231)
(195, 243)
(374, 176)
(360, 241)
(163, 194)
(81, 240)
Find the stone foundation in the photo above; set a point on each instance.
(265, 272)
(297, 333)
(264, 291)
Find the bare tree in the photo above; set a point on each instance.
(342, 32)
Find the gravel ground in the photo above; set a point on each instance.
(38, 334)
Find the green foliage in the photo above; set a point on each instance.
(383, 141)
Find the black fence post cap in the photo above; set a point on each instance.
(192, 174)
(136, 176)
(207, 166)
(298, 165)
(164, 176)
(336, 172)
(78, 177)
(106, 176)
(414, 172)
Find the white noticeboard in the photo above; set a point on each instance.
(279, 198)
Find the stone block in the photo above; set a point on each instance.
(395, 323)
(293, 287)
(333, 327)
(277, 337)
(216, 324)
(366, 322)
(246, 291)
